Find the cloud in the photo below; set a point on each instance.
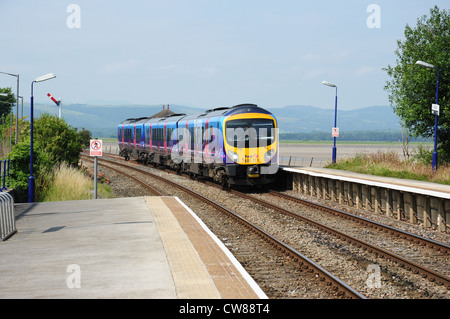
(168, 67)
(367, 70)
(120, 67)
(315, 73)
(202, 71)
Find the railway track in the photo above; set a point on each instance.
(371, 249)
(315, 271)
(403, 262)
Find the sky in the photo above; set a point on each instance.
(205, 53)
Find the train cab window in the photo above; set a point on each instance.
(250, 132)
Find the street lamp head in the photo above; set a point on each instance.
(45, 77)
(425, 64)
(328, 84)
(3, 94)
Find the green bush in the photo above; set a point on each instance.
(55, 142)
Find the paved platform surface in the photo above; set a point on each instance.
(142, 247)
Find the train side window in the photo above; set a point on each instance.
(147, 135)
(138, 135)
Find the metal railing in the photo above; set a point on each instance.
(7, 219)
(4, 173)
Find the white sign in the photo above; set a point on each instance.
(335, 132)
(96, 147)
(435, 109)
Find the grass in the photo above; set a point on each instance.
(69, 183)
(389, 164)
(352, 142)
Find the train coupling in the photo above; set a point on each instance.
(253, 171)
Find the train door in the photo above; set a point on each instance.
(165, 138)
(151, 137)
(207, 139)
(134, 135)
(122, 133)
(198, 141)
(146, 136)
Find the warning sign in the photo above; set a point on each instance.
(96, 147)
(335, 132)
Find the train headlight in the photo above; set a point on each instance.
(269, 155)
(233, 155)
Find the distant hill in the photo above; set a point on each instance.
(304, 119)
(102, 120)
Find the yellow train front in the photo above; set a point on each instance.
(250, 141)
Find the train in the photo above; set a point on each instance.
(235, 145)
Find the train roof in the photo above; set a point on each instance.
(237, 109)
(134, 120)
(167, 114)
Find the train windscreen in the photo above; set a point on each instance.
(247, 133)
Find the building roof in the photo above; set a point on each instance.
(164, 113)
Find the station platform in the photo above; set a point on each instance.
(140, 247)
(408, 185)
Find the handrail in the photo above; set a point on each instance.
(7, 218)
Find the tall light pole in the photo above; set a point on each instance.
(17, 101)
(435, 111)
(335, 120)
(31, 183)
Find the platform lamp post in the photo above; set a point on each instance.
(335, 119)
(17, 101)
(31, 183)
(435, 110)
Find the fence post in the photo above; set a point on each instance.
(8, 169)
(3, 174)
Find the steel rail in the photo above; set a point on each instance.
(367, 222)
(340, 286)
(402, 262)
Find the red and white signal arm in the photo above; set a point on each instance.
(335, 132)
(96, 147)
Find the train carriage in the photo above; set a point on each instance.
(232, 145)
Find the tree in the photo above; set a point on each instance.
(6, 101)
(55, 142)
(412, 88)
